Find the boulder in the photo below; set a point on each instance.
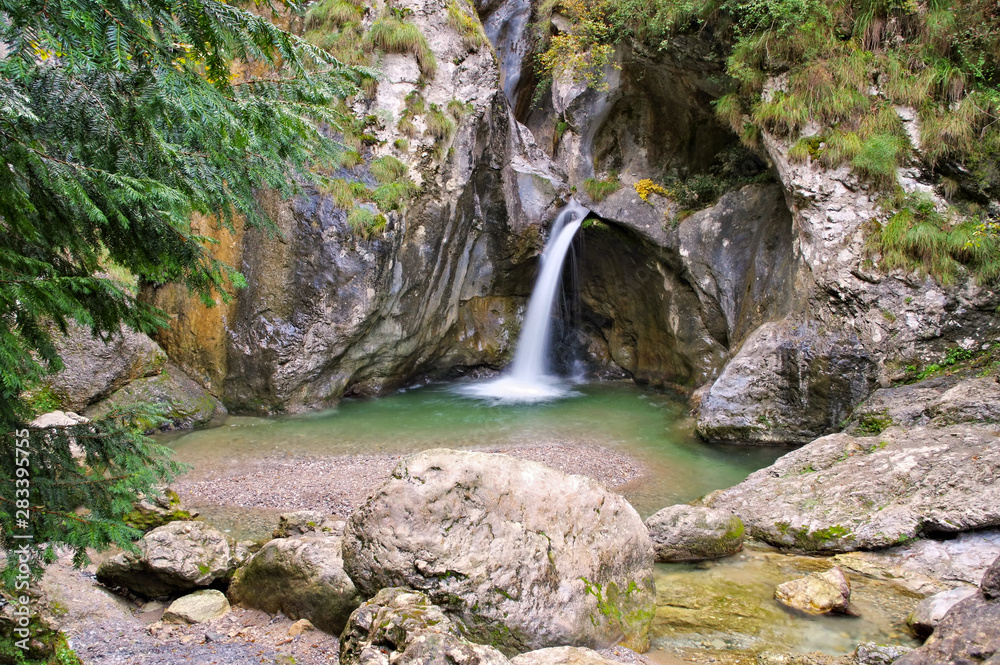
(400, 626)
(499, 542)
(299, 627)
(197, 607)
(693, 533)
(94, 368)
(929, 612)
(843, 492)
(177, 557)
(301, 576)
(562, 656)
(151, 512)
(790, 382)
(184, 402)
(990, 585)
(968, 632)
(818, 593)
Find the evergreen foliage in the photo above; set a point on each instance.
(119, 120)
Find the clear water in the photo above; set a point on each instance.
(724, 606)
(650, 427)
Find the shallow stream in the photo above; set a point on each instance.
(723, 605)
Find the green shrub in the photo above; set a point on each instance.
(365, 223)
(387, 169)
(598, 190)
(439, 125)
(471, 30)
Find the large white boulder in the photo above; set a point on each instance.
(524, 556)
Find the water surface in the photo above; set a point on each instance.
(652, 428)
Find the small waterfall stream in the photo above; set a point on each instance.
(528, 379)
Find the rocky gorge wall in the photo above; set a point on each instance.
(764, 305)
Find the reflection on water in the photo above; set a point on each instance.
(652, 428)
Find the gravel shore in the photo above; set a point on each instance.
(339, 484)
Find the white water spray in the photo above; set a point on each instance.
(528, 379)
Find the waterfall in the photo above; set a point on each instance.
(528, 378)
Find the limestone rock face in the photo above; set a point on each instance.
(403, 626)
(498, 543)
(818, 593)
(693, 533)
(301, 576)
(197, 607)
(58, 419)
(176, 557)
(842, 492)
(328, 312)
(929, 612)
(184, 402)
(95, 368)
(873, 321)
(789, 382)
(968, 632)
(562, 656)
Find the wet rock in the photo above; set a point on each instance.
(870, 653)
(184, 403)
(177, 557)
(841, 493)
(929, 566)
(498, 542)
(301, 576)
(930, 611)
(562, 656)
(402, 626)
(818, 593)
(95, 368)
(305, 521)
(197, 607)
(968, 632)
(693, 533)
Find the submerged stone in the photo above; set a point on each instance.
(819, 593)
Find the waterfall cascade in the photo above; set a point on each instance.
(528, 379)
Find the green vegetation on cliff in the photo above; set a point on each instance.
(830, 77)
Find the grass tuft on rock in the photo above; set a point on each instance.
(395, 35)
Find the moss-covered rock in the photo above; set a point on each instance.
(692, 533)
(184, 402)
(401, 626)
